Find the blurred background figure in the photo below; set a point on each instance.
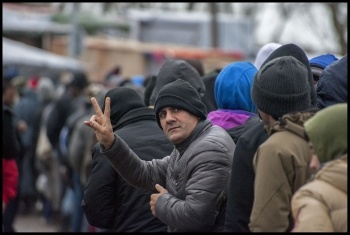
(10, 156)
(47, 173)
(70, 101)
(114, 73)
(27, 110)
(319, 63)
(135, 82)
(80, 142)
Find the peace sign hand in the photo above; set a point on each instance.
(101, 123)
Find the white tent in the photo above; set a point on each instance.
(17, 53)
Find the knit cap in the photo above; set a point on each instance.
(322, 61)
(298, 53)
(281, 86)
(319, 63)
(123, 100)
(180, 94)
(174, 69)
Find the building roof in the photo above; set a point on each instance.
(24, 18)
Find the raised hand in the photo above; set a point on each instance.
(101, 123)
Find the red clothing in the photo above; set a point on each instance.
(9, 179)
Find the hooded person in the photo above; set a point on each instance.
(110, 202)
(319, 63)
(328, 132)
(332, 87)
(175, 69)
(197, 64)
(264, 52)
(232, 94)
(321, 204)
(241, 193)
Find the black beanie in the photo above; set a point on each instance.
(281, 86)
(123, 100)
(174, 69)
(180, 94)
(291, 49)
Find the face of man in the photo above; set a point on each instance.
(177, 124)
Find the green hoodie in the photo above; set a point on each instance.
(328, 132)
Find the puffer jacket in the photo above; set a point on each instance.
(322, 204)
(196, 175)
(281, 168)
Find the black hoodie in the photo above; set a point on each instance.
(174, 69)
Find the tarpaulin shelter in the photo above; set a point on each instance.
(34, 61)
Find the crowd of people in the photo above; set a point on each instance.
(250, 147)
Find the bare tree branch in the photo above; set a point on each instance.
(190, 6)
(338, 25)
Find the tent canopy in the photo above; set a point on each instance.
(17, 53)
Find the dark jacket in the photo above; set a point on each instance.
(10, 142)
(237, 131)
(109, 201)
(332, 88)
(209, 97)
(241, 187)
(196, 176)
(63, 108)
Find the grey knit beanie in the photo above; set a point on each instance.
(180, 94)
(281, 86)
